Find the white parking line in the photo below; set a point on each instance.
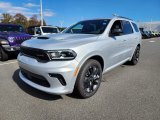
(8, 63)
(152, 41)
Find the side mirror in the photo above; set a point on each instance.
(38, 32)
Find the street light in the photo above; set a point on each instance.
(41, 13)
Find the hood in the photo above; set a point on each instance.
(60, 41)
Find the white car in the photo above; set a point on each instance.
(75, 59)
(45, 30)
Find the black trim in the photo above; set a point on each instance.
(59, 77)
(38, 79)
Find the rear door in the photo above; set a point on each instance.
(128, 38)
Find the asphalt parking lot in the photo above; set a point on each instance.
(127, 93)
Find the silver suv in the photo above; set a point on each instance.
(74, 60)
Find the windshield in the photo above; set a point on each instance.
(88, 27)
(49, 30)
(11, 28)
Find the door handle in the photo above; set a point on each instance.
(124, 40)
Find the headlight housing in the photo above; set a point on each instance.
(62, 54)
(4, 42)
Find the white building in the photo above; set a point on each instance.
(150, 26)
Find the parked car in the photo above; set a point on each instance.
(11, 36)
(74, 61)
(156, 33)
(42, 30)
(144, 35)
(148, 34)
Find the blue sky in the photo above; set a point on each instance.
(67, 12)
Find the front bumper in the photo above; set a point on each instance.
(11, 48)
(64, 68)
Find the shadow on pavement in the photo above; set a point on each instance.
(31, 91)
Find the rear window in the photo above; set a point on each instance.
(135, 27)
(49, 30)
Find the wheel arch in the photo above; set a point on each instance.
(96, 57)
(99, 59)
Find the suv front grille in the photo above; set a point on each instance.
(38, 79)
(38, 54)
(19, 40)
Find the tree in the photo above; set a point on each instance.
(6, 18)
(33, 21)
(21, 20)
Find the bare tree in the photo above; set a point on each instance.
(21, 20)
(33, 21)
(6, 18)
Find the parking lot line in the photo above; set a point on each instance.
(152, 41)
(8, 63)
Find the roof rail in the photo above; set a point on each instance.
(124, 17)
(121, 17)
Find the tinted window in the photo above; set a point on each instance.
(135, 27)
(127, 28)
(88, 27)
(11, 28)
(38, 30)
(49, 30)
(116, 25)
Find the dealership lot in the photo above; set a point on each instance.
(127, 93)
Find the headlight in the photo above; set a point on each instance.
(62, 54)
(11, 39)
(4, 42)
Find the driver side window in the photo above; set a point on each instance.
(116, 29)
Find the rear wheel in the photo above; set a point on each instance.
(89, 79)
(3, 55)
(135, 57)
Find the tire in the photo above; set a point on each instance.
(88, 79)
(3, 55)
(135, 57)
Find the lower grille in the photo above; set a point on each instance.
(38, 79)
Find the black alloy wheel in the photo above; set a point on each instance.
(89, 79)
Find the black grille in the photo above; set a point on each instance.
(19, 40)
(38, 79)
(38, 54)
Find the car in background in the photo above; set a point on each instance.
(11, 37)
(144, 35)
(147, 33)
(157, 34)
(42, 30)
(153, 33)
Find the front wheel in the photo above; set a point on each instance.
(89, 79)
(135, 57)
